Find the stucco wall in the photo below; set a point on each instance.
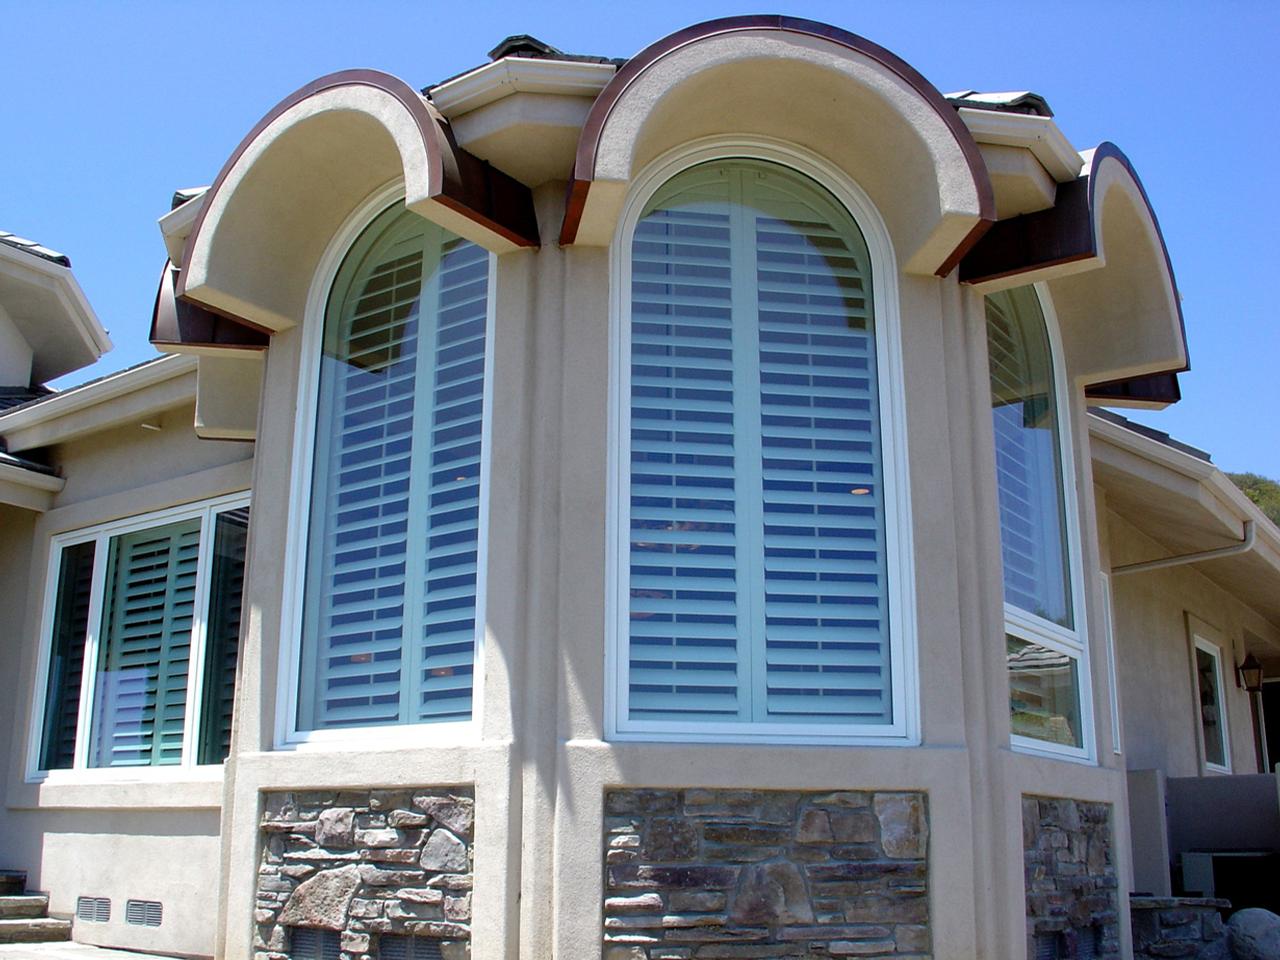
(149, 834)
(1159, 704)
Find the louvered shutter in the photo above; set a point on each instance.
(1028, 459)
(757, 549)
(144, 649)
(222, 633)
(66, 659)
(389, 634)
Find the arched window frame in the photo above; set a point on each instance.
(1026, 626)
(904, 730)
(287, 732)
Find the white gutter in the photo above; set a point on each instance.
(494, 81)
(98, 392)
(1244, 546)
(62, 281)
(1040, 135)
(28, 489)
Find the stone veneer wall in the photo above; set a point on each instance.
(364, 863)
(765, 874)
(1071, 875)
(1178, 927)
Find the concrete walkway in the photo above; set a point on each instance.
(69, 951)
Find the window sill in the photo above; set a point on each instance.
(1049, 751)
(179, 788)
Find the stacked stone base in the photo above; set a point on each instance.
(1165, 927)
(365, 864)
(1071, 881)
(694, 874)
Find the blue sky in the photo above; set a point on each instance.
(110, 107)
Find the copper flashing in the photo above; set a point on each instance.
(178, 322)
(1067, 233)
(456, 179)
(584, 167)
(1156, 390)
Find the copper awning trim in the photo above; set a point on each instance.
(456, 179)
(584, 167)
(178, 322)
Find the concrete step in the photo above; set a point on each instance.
(13, 883)
(41, 930)
(24, 907)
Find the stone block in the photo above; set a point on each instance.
(669, 838)
(335, 827)
(692, 901)
(444, 852)
(771, 894)
(860, 948)
(323, 900)
(457, 813)
(622, 802)
(904, 829)
(642, 903)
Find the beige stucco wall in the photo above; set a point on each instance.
(1159, 702)
(151, 834)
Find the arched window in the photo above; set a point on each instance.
(754, 590)
(393, 552)
(1044, 643)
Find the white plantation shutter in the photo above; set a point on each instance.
(389, 631)
(144, 650)
(1028, 458)
(757, 543)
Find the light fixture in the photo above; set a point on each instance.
(1249, 674)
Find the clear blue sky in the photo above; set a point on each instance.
(110, 106)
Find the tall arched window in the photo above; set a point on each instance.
(393, 554)
(754, 591)
(1043, 639)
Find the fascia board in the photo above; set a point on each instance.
(1215, 484)
(55, 420)
(499, 79)
(28, 489)
(1040, 135)
(59, 280)
(176, 225)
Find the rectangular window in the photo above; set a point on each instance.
(1044, 643)
(1213, 719)
(134, 605)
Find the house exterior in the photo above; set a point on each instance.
(642, 509)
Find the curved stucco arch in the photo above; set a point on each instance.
(828, 91)
(313, 159)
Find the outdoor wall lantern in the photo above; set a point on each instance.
(1249, 674)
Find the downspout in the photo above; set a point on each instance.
(1244, 546)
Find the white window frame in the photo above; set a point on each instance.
(389, 736)
(903, 730)
(100, 535)
(1113, 673)
(1027, 626)
(1199, 642)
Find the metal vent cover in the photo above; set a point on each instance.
(1050, 946)
(310, 943)
(93, 909)
(408, 948)
(144, 913)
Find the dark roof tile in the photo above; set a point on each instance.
(33, 248)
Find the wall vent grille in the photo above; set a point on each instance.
(1050, 946)
(93, 909)
(144, 913)
(408, 948)
(309, 943)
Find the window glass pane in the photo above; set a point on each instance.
(757, 543)
(390, 616)
(1211, 708)
(222, 633)
(1043, 698)
(1028, 457)
(66, 656)
(140, 685)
